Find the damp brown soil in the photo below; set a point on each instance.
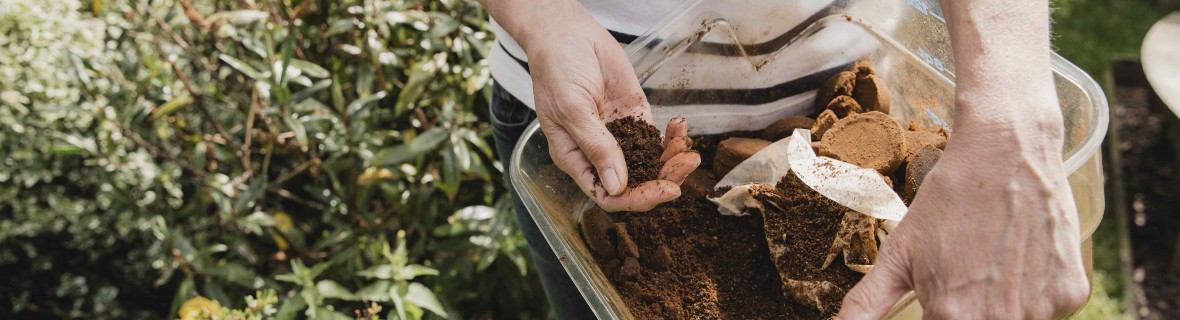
(696, 263)
(642, 147)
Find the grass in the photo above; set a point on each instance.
(1089, 33)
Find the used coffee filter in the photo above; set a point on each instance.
(859, 189)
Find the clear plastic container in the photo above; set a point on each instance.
(725, 46)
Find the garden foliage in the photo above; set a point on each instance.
(325, 159)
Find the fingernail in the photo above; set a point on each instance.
(610, 181)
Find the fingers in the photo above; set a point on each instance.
(600, 148)
(570, 159)
(880, 289)
(676, 146)
(679, 166)
(677, 127)
(644, 197)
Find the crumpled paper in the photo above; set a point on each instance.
(859, 189)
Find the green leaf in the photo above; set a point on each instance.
(291, 308)
(171, 106)
(419, 77)
(356, 105)
(341, 26)
(415, 270)
(397, 294)
(421, 296)
(238, 16)
(313, 89)
(384, 271)
(425, 141)
(299, 129)
(244, 68)
(451, 173)
(183, 293)
(234, 273)
(332, 290)
(246, 199)
(378, 292)
(310, 69)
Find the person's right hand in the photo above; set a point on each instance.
(582, 79)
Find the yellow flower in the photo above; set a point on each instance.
(199, 308)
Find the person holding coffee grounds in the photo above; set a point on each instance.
(999, 188)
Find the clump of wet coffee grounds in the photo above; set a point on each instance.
(732, 151)
(854, 90)
(870, 140)
(642, 146)
(800, 225)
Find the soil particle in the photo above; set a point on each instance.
(733, 151)
(600, 233)
(844, 106)
(642, 146)
(661, 259)
(699, 183)
(917, 166)
(871, 93)
(841, 84)
(785, 127)
(870, 140)
(826, 120)
(630, 268)
(916, 140)
(627, 247)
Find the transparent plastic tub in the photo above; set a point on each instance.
(701, 61)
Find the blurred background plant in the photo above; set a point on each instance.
(331, 153)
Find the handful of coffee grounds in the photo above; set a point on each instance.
(642, 147)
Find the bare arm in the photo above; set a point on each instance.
(993, 233)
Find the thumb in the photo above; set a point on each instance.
(880, 289)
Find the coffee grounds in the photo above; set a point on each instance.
(698, 264)
(785, 127)
(870, 140)
(642, 146)
(800, 227)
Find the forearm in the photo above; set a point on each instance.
(1002, 62)
(532, 22)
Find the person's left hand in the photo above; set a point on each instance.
(993, 234)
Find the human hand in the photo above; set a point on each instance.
(582, 79)
(993, 233)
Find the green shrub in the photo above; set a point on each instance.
(335, 152)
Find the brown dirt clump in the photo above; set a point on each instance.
(917, 166)
(841, 84)
(699, 183)
(733, 151)
(872, 93)
(861, 84)
(785, 127)
(844, 106)
(870, 140)
(917, 139)
(826, 120)
(600, 234)
(642, 146)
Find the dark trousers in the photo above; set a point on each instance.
(509, 119)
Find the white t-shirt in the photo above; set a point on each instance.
(765, 25)
(624, 19)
